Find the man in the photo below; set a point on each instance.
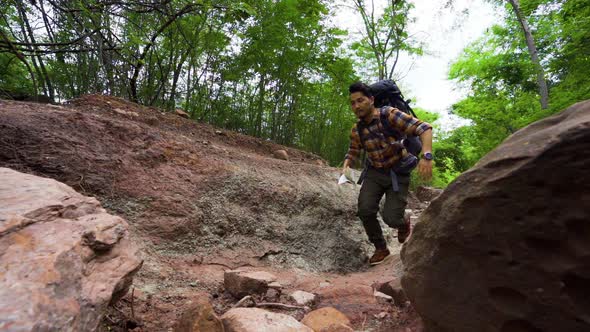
(385, 155)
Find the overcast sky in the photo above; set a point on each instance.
(446, 32)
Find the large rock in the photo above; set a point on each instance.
(241, 283)
(63, 259)
(259, 320)
(506, 247)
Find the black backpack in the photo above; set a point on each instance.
(387, 93)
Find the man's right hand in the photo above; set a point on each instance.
(346, 166)
(345, 170)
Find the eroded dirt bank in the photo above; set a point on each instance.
(199, 201)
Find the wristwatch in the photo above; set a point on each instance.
(428, 156)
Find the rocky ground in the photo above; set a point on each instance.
(200, 201)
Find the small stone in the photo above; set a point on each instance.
(241, 283)
(353, 299)
(320, 162)
(383, 298)
(281, 154)
(274, 294)
(394, 289)
(382, 315)
(302, 298)
(123, 112)
(325, 318)
(199, 317)
(275, 285)
(182, 113)
(256, 320)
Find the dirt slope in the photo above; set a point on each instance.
(199, 200)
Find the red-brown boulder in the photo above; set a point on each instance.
(506, 247)
(63, 259)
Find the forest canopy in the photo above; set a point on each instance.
(280, 70)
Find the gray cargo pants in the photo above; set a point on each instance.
(375, 184)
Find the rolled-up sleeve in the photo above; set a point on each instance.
(355, 147)
(406, 123)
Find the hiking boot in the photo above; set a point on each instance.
(403, 232)
(379, 256)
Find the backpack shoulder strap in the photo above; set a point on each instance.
(359, 130)
(384, 112)
(387, 128)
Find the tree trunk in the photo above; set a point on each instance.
(189, 89)
(260, 112)
(138, 66)
(530, 42)
(176, 76)
(27, 25)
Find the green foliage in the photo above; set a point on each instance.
(385, 38)
(426, 116)
(269, 68)
(278, 70)
(13, 76)
(503, 92)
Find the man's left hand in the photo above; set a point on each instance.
(425, 169)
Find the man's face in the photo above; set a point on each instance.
(361, 105)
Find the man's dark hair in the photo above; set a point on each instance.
(360, 87)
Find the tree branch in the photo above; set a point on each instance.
(75, 41)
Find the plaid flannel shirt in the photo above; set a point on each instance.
(382, 151)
